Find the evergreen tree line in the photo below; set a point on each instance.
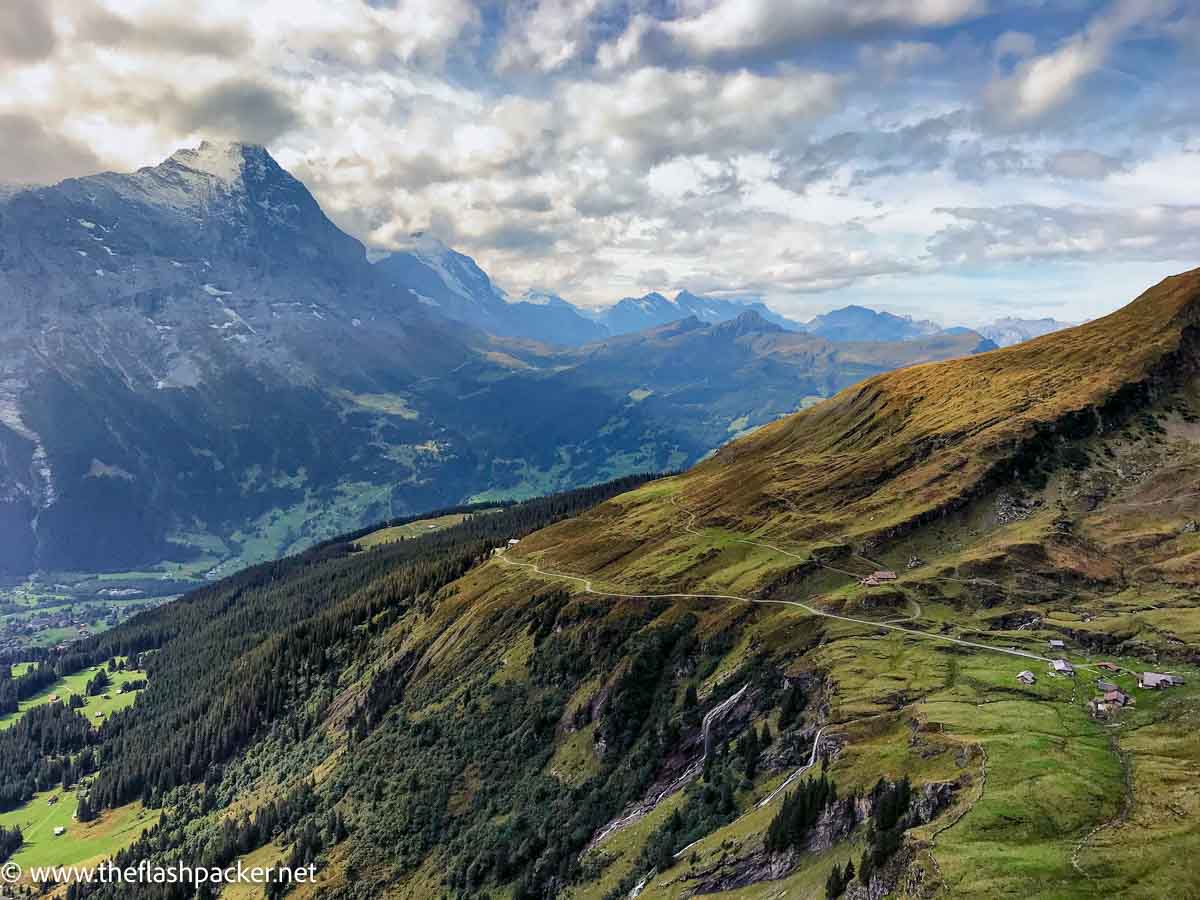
(538, 847)
(98, 684)
(889, 818)
(839, 879)
(10, 841)
(36, 752)
(710, 804)
(800, 811)
(298, 819)
(242, 657)
(33, 682)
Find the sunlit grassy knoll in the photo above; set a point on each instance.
(514, 666)
(62, 688)
(386, 404)
(412, 529)
(574, 759)
(267, 856)
(1051, 777)
(77, 684)
(1162, 743)
(83, 842)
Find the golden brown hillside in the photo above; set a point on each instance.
(909, 445)
(908, 442)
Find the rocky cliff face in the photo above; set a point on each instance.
(154, 322)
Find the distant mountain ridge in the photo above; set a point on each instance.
(1009, 331)
(454, 285)
(857, 323)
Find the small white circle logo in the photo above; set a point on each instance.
(10, 873)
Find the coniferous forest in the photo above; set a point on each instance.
(252, 663)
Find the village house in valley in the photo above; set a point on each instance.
(883, 576)
(1157, 681)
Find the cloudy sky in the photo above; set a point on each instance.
(960, 159)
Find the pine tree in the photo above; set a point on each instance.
(691, 707)
(866, 866)
(834, 884)
(748, 747)
(793, 703)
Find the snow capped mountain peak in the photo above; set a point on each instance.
(653, 300)
(540, 297)
(425, 245)
(224, 160)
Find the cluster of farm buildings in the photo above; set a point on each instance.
(1110, 698)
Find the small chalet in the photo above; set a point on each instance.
(1105, 686)
(1112, 701)
(883, 576)
(1026, 677)
(59, 831)
(512, 542)
(1062, 667)
(1157, 681)
(1108, 667)
(1056, 644)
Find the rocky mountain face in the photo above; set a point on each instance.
(198, 365)
(651, 310)
(454, 285)
(158, 326)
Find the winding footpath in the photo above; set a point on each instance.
(590, 588)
